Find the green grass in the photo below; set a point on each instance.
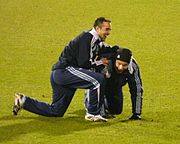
(32, 35)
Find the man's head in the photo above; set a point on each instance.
(102, 27)
(123, 58)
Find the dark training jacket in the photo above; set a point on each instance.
(133, 78)
(82, 51)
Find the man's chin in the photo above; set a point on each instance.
(119, 72)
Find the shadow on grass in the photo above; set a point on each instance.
(21, 125)
(142, 120)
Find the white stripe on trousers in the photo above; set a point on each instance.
(87, 78)
(87, 96)
(83, 76)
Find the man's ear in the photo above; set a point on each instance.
(97, 28)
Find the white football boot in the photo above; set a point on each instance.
(18, 103)
(95, 118)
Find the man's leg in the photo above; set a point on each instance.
(62, 97)
(114, 94)
(91, 97)
(114, 101)
(64, 83)
(94, 82)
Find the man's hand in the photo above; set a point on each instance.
(135, 117)
(107, 70)
(105, 61)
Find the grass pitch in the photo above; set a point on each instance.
(32, 35)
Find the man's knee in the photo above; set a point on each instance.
(115, 110)
(100, 78)
(58, 114)
(57, 111)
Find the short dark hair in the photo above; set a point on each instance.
(99, 21)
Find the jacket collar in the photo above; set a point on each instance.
(95, 34)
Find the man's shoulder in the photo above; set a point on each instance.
(134, 63)
(84, 35)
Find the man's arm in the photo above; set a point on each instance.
(107, 51)
(136, 90)
(83, 53)
(105, 55)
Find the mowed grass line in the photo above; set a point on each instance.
(32, 36)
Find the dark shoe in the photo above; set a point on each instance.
(108, 116)
(135, 117)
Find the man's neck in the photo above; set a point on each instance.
(95, 34)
